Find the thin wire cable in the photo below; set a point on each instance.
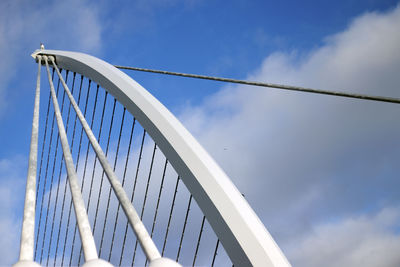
(65, 183)
(95, 160)
(123, 183)
(77, 164)
(51, 183)
(45, 177)
(184, 227)
(81, 215)
(40, 168)
(43, 145)
(269, 85)
(78, 157)
(58, 181)
(158, 201)
(137, 225)
(109, 192)
(198, 241)
(145, 198)
(102, 175)
(86, 161)
(159, 197)
(133, 192)
(215, 253)
(170, 215)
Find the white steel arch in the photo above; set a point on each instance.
(244, 237)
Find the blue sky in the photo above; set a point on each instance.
(321, 172)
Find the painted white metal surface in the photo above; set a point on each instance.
(28, 224)
(244, 237)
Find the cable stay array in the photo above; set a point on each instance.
(115, 180)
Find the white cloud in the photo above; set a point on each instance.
(11, 204)
(304, 159)
(360, 241)
(73, 25)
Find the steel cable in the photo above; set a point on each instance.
(109, 192)
(170, 215)
(102, 175)
(43, 144)
(59, 178)
(123, 183)
(51, 183)
(158, 200)
(40, 168)
(184, 227)
(215, 253)
(65, 184)
(45, 179)
(94, 164)
(145, 197)
(269, 85)
(133, 192)
(87, 154)
(198, 241)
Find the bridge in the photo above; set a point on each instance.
(115, 179)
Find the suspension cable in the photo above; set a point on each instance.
(51, 180)
(123, 183)
(59, 179)
(184, 227)
(170, 215)
(43, 144)
(159, 197)
(102, 175)
(65, 183)
(95, 160)
(83, 176)
(198, 241)
(133, 192)
(40, 171)
(145, 198)
(87, 239)
(158, 201)
(143, 236)
(45, 179)
(109, 191)
(86, 162)
(269, 85)
(215, 253)
(115, 162)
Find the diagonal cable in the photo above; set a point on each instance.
(79, 205)
(146, 242)
(269, 85)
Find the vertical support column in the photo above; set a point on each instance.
(28, 224)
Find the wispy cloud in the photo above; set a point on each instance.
(73, 25)
(364, 240)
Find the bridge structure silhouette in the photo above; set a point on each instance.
(114, 179)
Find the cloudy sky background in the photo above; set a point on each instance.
(321, 172)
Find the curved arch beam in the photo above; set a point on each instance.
(244, 237)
